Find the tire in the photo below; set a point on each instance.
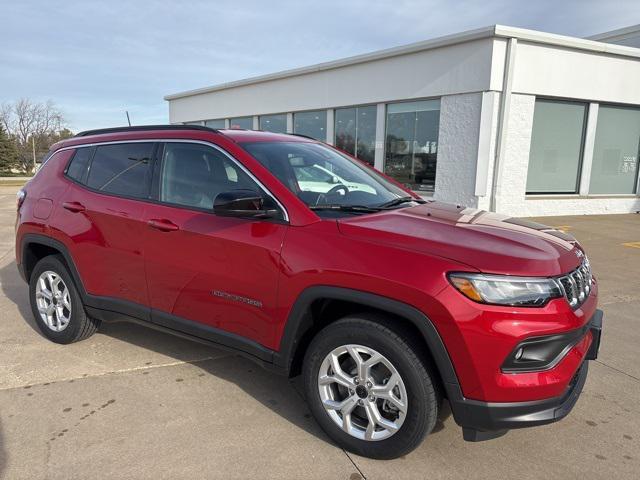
(79, 325)
(370, 334)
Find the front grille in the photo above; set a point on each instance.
(577, 284)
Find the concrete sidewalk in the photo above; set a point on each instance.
(13, 181)
(134, 403)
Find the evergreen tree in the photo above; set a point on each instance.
(9, 157)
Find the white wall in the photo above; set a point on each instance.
(487, 144)
(458, 149)
(562, 72)
(510, 192)
(459, 68)
(511, 198)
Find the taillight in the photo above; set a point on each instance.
(20, 196)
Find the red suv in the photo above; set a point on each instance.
(299, 257)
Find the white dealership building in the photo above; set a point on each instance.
(517, 121)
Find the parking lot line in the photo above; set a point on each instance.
(632, 244)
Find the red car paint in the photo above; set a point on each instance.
(404, 255)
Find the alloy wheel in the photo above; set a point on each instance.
(362, 392)
(53, 300)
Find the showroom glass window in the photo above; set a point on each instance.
(312, 124)
(615, 154)
(411, 146)
(355, 131)
(274, 123)
(214, 123)
(557, 140)
(245, 123)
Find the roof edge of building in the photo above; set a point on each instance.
(617, 34)
(493, 31)
(366, 57)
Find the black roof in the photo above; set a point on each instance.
(138, 128)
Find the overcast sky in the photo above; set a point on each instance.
(96, 59)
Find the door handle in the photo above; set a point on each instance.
(163, 225)
(74, 207)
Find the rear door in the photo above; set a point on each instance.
(102, 214)
(209, 275)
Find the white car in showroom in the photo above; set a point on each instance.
(318, 179)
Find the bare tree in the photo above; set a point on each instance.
(6, 115)
(32, 124)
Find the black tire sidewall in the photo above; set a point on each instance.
(422, 404)
(72, 331)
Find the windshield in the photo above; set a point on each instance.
(322, 177)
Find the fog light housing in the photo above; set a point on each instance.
(537, 354)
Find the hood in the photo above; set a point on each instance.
(488, 242)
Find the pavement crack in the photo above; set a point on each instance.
(6, 253)
(626, 299)
(618, 370)
(115, 372)
(354, 464)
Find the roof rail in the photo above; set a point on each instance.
(304, 136)
(138, 128)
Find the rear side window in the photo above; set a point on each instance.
(123, 169)
(79, 164)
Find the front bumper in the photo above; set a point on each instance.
(485, 420)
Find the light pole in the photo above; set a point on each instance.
(33, 143)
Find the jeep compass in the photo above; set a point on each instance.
(297, 256)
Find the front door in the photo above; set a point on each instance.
(206, 274)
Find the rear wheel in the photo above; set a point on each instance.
(56, 303)
(368, 388)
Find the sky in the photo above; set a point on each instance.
(96, 59)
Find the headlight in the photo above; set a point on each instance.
(506, 290)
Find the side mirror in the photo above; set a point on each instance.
(242, 204)
(335, 179)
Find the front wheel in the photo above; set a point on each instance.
(368, 388)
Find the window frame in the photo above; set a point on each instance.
(154, 152)
(159, 168)
(280, 114)
(410, 186)
(223, 120)
(636, 184)
(244, 117)
(297, 112)
(95, 146)
(357, 107)
(581, 155)
(83, 178)
(155, 177)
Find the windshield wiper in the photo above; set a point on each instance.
(346, 208)
(399, 201)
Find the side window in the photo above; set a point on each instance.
(193, 175)
(79, 164)
(124, 169)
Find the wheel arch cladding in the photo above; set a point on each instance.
(35, 247)
(319, 306)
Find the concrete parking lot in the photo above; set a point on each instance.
(134, 403)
